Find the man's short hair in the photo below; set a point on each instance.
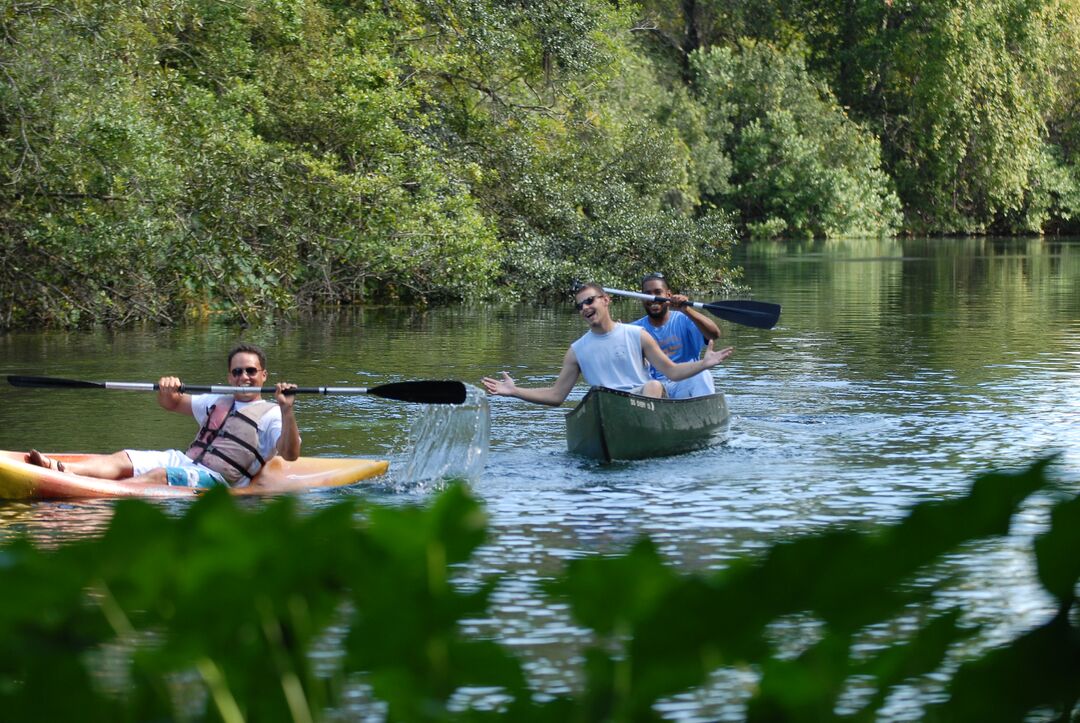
(590, 285)
(654, 276)
(247, 349)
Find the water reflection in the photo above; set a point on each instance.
(49, 525)
(899, 369)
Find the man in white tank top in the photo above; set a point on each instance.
(611, 355)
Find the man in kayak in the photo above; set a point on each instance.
(611, 355)
(681, 331)
(237, 434)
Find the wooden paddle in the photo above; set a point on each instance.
(759, 314)
(424, 392)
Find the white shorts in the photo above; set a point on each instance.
(699, 385)
(180, 468)
(640, 390)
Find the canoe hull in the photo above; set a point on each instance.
(608, 424)
(22, 481)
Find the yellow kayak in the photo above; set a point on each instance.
(22, 481)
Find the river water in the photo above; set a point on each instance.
(898, 371)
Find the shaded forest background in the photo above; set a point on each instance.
(169, 159)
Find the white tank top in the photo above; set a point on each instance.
(612, 360)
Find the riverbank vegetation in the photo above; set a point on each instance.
(163, 159)
(231, 612)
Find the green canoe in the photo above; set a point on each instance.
(607, 424)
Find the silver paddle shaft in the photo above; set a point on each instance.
(649, 297)
(226, 389)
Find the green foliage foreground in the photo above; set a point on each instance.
(218, 614)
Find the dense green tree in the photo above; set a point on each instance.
(972, 135)
(962, 95)
(167, 158)
(576, 154)
(674, 31)
(603, 191)
(973, 103)
(164, 158)
(801, 166)
(175, 157)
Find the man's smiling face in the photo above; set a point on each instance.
(245, 370)
(592, 305)
(655, 287)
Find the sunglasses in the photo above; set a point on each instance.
(585, 302)
(251, 371)
(653, 275)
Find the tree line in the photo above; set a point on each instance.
(170, 159)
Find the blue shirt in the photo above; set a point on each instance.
(678, 337)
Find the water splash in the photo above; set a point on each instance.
(449, 441)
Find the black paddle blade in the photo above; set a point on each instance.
(759, 314)
(52, 383)
(427, 392)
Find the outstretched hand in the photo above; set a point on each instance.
(713, 357)
(502, 387)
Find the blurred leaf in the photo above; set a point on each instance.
(405, 630)
(922, 655)
(611, 594)
(803, 689)
(1055, 552)
(1040, 669)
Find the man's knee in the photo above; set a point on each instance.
(121, 464)
(655, 389)
(159, 476)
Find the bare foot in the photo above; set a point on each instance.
(37, 458)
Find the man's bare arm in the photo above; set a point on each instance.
(705, 325)
(678, 372)
(171, 398)
(553, 396)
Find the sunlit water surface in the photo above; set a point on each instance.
(899, 370)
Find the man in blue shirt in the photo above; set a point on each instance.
(681, 334)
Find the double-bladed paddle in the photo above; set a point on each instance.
(759, 314)
(424, 392)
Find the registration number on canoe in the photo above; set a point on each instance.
(643, 404)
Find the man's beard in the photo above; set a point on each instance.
(656, 314)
